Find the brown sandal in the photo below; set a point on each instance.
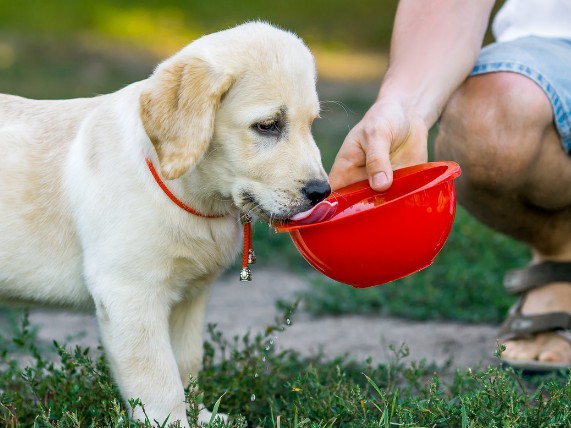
(520, 326)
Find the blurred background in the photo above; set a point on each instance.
(75, 48)
(69, 48)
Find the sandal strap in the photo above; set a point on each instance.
(518, 325)
(520, 280)
(565, 334)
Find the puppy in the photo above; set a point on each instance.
(226, 124)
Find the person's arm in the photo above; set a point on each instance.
(434, 46)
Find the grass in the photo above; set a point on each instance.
(258, 386)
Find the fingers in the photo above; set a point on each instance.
(344, 173)
(362, 157)
(378, 165)
(365, 154)
(349, 165)
(388, 137)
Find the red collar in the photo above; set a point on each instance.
(172, 197)
(248, 256)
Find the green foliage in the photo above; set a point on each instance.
(51, 68)
(365, 24)
(74, 392)
(258, 386)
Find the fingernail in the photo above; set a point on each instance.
(379, 180)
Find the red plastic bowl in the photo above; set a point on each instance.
(378, 237)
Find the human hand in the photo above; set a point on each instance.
(390, 136)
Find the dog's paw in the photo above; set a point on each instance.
(205, 415)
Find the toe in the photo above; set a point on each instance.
(547, 347)
(550, 357)
(555, 350)
(522, 349)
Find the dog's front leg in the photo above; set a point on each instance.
(134, 324)
(187, 326)
(186, 330)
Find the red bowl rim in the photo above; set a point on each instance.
(452, 171)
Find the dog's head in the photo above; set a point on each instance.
(236, 107)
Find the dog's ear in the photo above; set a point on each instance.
(178, 112)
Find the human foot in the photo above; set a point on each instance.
(537, 335)
(545, 347)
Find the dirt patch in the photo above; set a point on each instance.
(238, 307)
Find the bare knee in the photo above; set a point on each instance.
(493, 126)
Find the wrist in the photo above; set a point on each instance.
(409, 103)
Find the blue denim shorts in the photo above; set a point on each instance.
(547, 61)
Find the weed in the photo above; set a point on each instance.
(258, 386)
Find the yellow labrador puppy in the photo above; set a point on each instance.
(226, 123)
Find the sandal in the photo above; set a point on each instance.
(520, 326)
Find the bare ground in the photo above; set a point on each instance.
(238, 307)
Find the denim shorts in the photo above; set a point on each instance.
(546, 61)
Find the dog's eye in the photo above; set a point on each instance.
(268, 127)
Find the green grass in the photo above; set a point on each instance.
(258, 386)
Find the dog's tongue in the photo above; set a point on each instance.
(320, 212)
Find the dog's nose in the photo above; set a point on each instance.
(316, 191)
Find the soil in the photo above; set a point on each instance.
(238, 307)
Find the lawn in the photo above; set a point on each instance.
(257, 386)
(85, 51)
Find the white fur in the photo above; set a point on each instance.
(84, 224)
